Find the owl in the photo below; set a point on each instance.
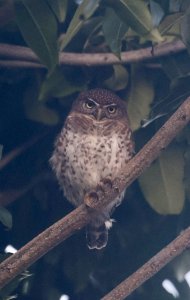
(94, 144)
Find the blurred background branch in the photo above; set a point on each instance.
(18, 56)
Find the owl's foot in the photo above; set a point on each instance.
(106, 184)
(92, 198)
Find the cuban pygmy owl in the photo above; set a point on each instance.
(94, 144)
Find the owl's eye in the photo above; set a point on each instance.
(89, 104)
(112, 109)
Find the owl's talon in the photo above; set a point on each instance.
(91, 198)
(100, 190)
(107, 183)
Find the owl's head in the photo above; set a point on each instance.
(100, 104)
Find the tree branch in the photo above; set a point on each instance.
(20, 64)
(20, 149)
(152, 267)
(79, 217)
(26, 55)
(11, 195)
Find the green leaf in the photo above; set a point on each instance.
(136, 15)
(38, 111)
(175, 6)
(114, 30)
(9, 290)
(59, 8)
(6, 217)
(162, 183)
(83, 12)
(185, 23)
(157, 12)
(176, 67)
(171, 25)
(140, 97)
(38, 26)
(56, 85)
(119, 80)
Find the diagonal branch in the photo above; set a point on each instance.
(162, 258)
(20, 149)
(79, 217)
(15, 55)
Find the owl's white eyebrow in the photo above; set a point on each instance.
(112, 104)
(93, 101)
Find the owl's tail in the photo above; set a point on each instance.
(97, 236)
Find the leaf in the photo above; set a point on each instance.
(6, 217)
(140, 97)
(84, 40)
(83, 12)
(177, 66)
(157, 12)
(38, 26)
(118, 80)
(59, 8)
(185, 23)
(162, 183)
(38, 111)
(56, 85)
(181, 266)
(170, 25)
(9, 290)
(114, 30)
(136, 15)
(174, 6)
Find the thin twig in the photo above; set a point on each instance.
(79, 217)
(157, 262)
(11, 195)
(12, 52)
(19, 150)
(20, 64)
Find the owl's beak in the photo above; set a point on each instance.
(100, 114)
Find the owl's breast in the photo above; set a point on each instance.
(82, 160)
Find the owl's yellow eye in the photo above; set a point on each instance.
(89, 104)
(112, 109)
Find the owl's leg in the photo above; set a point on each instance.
(96, 236)
(97, 230)
(93, 196)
